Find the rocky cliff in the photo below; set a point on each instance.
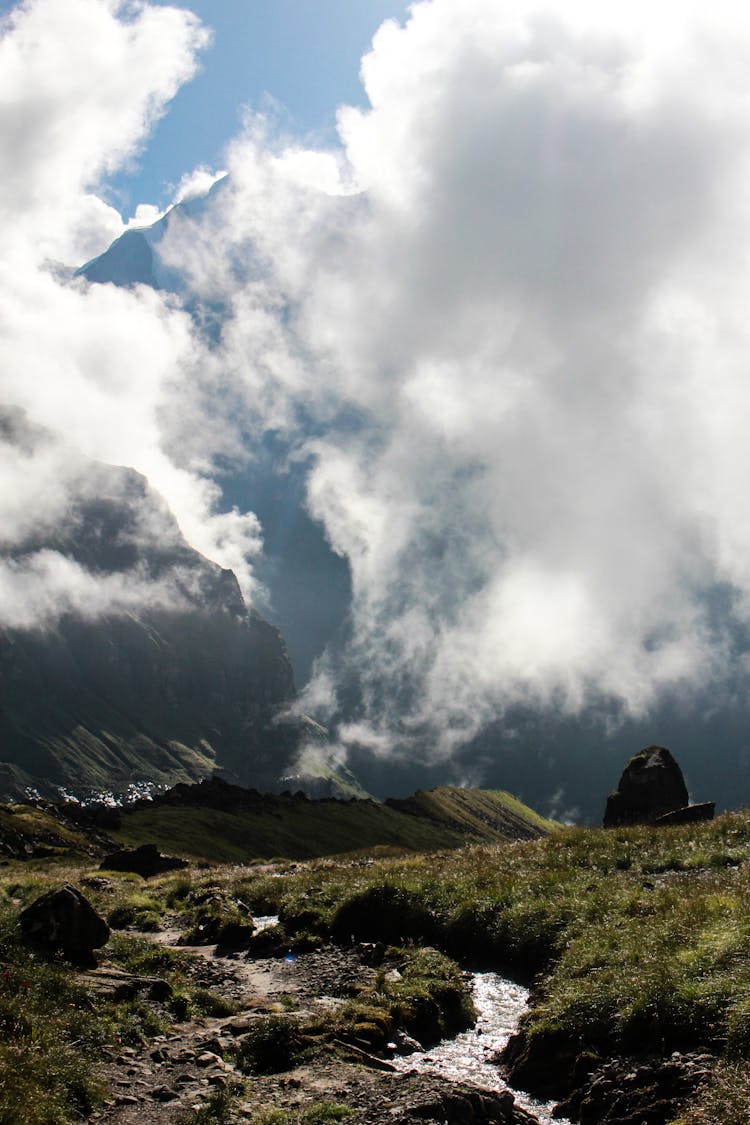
(171, 677)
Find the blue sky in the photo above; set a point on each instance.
(303, 53)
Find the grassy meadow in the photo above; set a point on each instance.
(635, 939)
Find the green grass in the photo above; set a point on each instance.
(642, 936)
(638, 938)
(309, 829)
(48, 1034)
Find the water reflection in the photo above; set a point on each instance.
(500, 1004)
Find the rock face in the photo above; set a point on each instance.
(651, 785)
(631, 1091)
(309, 584)
(146, 860)
(64, 919)
(179, 678)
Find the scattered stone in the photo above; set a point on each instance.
(64, 919)
(164, 1094)
(218, 1046)
(238, 1026)
(407, 1044)
(145, 860)
(96, 882)
(653, 1090)
(651, 785)
(116, 984)
(208, 1058)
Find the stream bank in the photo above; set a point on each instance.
(178, 1078)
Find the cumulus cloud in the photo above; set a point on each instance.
(106, 371)
(504, 321)
(505, 318)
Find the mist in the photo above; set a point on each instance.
(501, 327)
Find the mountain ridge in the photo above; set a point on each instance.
(148, 666)
(219, 822)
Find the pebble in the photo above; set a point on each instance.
(163, 1094)
(208, 1058)
(215, 1044)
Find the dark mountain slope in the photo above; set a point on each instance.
(308, 583)
(178, 678)
(226, 824)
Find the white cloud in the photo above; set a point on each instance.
(506, 318)
(109, 371)
(512, 313)
(39, 589)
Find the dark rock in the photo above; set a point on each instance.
(164, 1094)
(146, 860)
(546, 1062)
(691, 814)
(116, 984)
(651, 785)
(407, 1044)
(273, 941)
(637, 1091)
(458, 1105)
(207, 1058)
(64, 919)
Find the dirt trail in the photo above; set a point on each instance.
(175, 1076)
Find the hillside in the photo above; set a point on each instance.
(224, 823)
(234, 825)
(166, 677)
(636, 939)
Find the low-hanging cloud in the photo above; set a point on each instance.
(509, 311)
(104, 373)
(505, 319)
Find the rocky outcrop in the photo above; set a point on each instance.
(63, 919)
(146, 861)
(651, 786)
(691, 814)
(636, 1091)
(177, 678)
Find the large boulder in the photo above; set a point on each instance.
(145, 860)
(63, 919)
(651, 785)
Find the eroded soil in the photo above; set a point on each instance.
(175, 1079)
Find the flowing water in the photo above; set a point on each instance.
(467, 1058)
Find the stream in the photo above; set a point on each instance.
(467, 1058)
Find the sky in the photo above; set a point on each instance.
(492, 294)
(301, 55)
